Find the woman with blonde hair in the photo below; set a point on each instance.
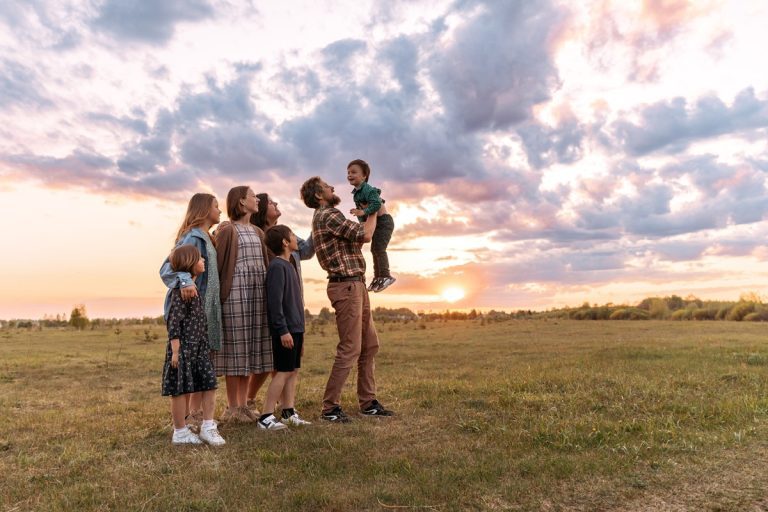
(202, 214)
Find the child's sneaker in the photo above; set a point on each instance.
(271, 423)
(374, 284)
(294, 421)
(185, 436)
(211, 436)
(383, 283)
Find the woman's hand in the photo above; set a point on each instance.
(357, 212)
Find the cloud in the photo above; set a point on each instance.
(152, 152)
(136, 124)
(236, 151)
(20, 87)
(498, 64)
(336, 56)
(148, 21)
(545, 146)
(230, 103)
(673, 125)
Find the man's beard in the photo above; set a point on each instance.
(334, 202)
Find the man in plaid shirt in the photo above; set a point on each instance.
(338, 242)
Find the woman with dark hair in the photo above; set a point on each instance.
(265, 217)
(246, 346)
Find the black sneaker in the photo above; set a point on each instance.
(335, 415)
(376, 409)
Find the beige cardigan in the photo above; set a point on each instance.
(225, 239)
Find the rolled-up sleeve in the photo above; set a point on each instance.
(342, 227)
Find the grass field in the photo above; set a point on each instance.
(520, 415)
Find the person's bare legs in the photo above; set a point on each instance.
(208, 403)
(233, 388)
(288, 397)
(179, 411)
(274, 391)
(195, 403)
(242, 391)
(254, 384)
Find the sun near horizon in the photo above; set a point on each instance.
(453, 294)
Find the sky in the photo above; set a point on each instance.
(533, 154)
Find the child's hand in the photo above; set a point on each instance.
(357, 212)
(189, 292)
(287, 340)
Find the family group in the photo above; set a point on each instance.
(235, 306)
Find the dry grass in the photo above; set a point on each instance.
(521, 415)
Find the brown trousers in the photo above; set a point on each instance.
(358, 342)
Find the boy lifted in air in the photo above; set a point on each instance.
(368, 201)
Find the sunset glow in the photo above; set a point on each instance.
(532, 154)
(453, 294)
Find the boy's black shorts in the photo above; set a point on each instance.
(287, 359)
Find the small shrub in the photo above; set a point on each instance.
(704, 314)
(740, 310)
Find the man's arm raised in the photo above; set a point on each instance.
(369, 227)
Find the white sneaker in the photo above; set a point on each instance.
(211, 436)
(271, 423)
(295, 421)
(186, 436)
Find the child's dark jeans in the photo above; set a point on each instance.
(381, 237)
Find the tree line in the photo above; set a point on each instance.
(749, 308)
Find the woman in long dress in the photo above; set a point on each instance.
(246, 346)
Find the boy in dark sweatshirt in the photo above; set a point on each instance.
(285, 312)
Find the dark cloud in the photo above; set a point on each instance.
(20, 87)
(230, 103)
(235, 150)
(672, 125)
(382, 129)
(498, 64)
(545, 146)
(83, 164)
(402, 53)
(152, 152)
(148, 21)
(336, 55)
(136, 124)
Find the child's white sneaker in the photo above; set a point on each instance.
(211, 436)
(271, 423)
(185, 436)
(295, 421)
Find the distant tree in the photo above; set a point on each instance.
(675, 302)
(325, 315)
(78, 318)
(751, 297)
(658, 309)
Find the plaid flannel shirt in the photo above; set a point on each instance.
(338, 242)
